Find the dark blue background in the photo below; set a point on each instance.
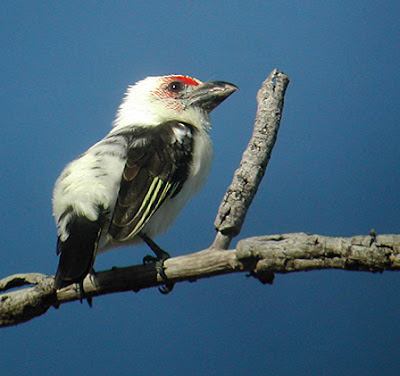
(335, 171)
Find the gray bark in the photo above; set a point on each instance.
(246, 179)
(261, 257)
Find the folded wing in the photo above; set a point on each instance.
(157, 166)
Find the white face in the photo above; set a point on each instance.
(157, 99)
(169, 90)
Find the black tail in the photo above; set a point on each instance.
(77, 252)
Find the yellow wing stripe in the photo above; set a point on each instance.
(157, 193)
(145, 200)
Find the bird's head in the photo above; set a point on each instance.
(175, 97)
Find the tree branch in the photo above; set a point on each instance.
(247, 177)
(261, 256)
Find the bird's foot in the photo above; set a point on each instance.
(161, 256)
(81, 292)
(82, 295)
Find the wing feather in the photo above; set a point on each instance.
(158, 163)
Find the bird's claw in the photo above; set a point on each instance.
(167, 288)
(82, 294)
(159, 263)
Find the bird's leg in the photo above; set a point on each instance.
(161, 256)
(82, 295)
(93, 279)
(81, 292)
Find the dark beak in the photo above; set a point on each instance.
(210, 94)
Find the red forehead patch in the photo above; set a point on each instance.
(186, 80)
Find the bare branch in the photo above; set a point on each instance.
(301, 252)
(247, 177)
(260, 256)
(23, 305)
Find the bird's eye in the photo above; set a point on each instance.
(176, 86)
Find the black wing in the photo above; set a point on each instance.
(158, 163)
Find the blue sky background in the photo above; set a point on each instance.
(335, 171)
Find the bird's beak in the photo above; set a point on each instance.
(210, 94)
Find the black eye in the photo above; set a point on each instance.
(176, 86)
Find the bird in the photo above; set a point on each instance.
(130, 186)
